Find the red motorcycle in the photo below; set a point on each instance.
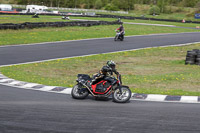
(101, 89)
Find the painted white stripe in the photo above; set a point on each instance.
(29, 85)
(150, 24)
(84, 20)
(67, 91)
(47, 88)
(15, 82)
(1, 75)
(189, 99)
(4, 80)
(152, 97)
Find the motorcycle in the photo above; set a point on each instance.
(65, 18)
(119, 36)
(101, 89)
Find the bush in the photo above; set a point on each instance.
(111, 7)
(180, 9)
(168, 10)
(98, 4)
(155, 10)
(191, 14)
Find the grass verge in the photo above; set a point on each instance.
(44, 18)
(28, 18)
(27, 36)
(152, 70)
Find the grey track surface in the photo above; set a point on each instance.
(29, 53)
(28, 111)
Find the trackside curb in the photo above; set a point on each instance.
(64, 90)
(165, 98)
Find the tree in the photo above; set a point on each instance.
(161, 4)
(154, 10)
(98, 4)
(131, 4)
(198, 7)
(111, 7)
(190, 3)
(89, 4)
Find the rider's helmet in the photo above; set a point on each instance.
(111, 64)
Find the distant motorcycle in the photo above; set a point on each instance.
(119, 36)
(35, 16)
(65, 18)
(100, 89)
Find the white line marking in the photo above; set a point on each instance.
(47, 88)
(143, 100)
(152, 97)
(66, 91)
(29, 85)
(189, 99)
(15, 82)
(5, 80)
(150, 24)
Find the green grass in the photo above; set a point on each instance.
(26, 36)
(42, 18)
(178, 13)
(142, 21)
(28, 18)
(95, 18)
(175, 16)
(152, 70)
(193, 25)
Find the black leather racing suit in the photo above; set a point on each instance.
(105, 73)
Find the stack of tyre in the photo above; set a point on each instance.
(193, 57)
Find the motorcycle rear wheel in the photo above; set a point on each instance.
(122, 39)
(77, 94)
(122, 97)
(116, 37)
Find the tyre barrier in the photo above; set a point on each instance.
(133, 18)
(106, 16)
(143, 18)
(193, 57)
(31, 25)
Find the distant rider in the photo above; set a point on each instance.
(121, 30)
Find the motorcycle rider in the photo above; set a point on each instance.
(121, 30)
(106, 73)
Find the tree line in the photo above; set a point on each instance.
(115, 5)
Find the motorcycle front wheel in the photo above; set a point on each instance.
(116, 38)
(122, 96)
(79, 92)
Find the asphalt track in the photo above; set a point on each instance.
(30, 53)
(28, 111)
